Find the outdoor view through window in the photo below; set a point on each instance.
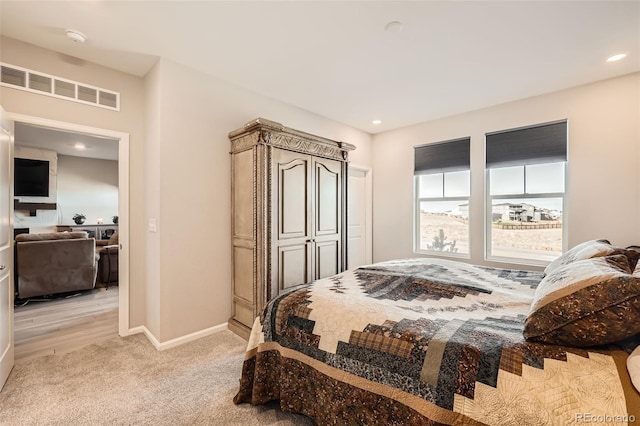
(526, 212)
(444, 212)
(524, 187)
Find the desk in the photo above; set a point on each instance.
(99, 232)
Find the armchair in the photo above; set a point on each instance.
(108, 259)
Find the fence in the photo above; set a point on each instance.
(554, 225)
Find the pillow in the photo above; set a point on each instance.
(585, 303)
(633, 365)
(630, 344)
(635, 249)
(585, 250)
(113, 240)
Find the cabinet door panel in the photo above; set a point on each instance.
(243, 197)
(293, 267)
(327, 259)
(292, 194)
(327, 196)
(243, 282)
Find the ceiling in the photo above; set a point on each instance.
(334, 58)
(64, 143)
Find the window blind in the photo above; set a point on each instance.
(448, 156)
(546, 143)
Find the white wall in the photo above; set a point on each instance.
(130, 119)
(191, 114)
(151, 260)
(77, 185)
(180, 276)
(88, 186)
(603, 184)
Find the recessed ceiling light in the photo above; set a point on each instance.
(617, 57)
(79, 146)
(394, 27)
(76, 36)
(377, 122)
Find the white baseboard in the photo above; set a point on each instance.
(134, 330)
(178, 340)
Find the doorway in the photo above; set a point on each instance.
(359, 217)
(122, 141)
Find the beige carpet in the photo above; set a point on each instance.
(125, 381)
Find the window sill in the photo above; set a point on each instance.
(443, 254)
(517, 262)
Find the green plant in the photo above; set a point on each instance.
(79, 216)
(440, 245)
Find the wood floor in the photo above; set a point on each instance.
(66, 324)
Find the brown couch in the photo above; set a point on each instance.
(54, 262)
(108, 259)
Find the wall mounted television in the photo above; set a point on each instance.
(31, 178)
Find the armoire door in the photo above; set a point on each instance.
(291, 232)
(327, 215)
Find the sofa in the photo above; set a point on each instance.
(107, 251)
(56, 262)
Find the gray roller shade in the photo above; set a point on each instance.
(449, 156)
(546, 143)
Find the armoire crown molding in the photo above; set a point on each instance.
(266, 132)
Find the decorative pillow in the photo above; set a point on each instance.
(585, 303)
(113, 240)
(633, 365)
(635, 249)
(586, 250)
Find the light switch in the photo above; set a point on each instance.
(152, 225)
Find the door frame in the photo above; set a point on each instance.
(123, 201)
(7, 360)
(368, 205)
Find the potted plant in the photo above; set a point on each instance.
(115, 219)
(79, 218)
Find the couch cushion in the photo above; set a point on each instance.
(51, 236)
(586, 302)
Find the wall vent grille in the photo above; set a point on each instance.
(50, 85)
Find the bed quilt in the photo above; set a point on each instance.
(426, 341)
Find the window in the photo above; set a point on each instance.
(442, 186)
(525, 171)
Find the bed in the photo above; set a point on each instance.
(433, 341)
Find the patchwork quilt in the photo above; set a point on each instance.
(426, 341)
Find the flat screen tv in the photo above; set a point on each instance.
(31, 178)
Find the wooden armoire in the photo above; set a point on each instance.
(288, 213)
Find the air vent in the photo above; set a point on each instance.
(45, 84)
(39, 82)
(88, 94)
(13, 77)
